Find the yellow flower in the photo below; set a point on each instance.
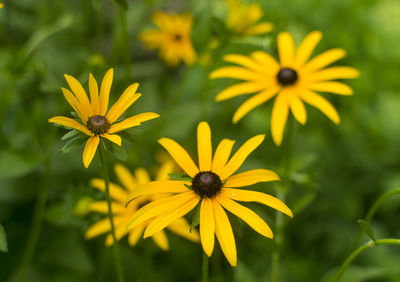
(242, 18)
(96, 121)
(1, 5)
(122, 214)
(212, 183)
(172, 38)
(294, 80)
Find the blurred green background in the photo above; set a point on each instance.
(337, 172)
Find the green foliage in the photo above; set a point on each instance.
(3, 240)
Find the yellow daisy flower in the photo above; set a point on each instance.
(96, 121)
(242, 18)
(172, 38)
(213, 184)
(123, 214)
(293, 80)
(1, 5)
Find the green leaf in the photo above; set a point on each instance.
(72, 144)
(123, 4)
(367, 229)
(188, 186)
(3, 240)
(70, 134)
(126, 135)
(180, 176)
(196, 217)
(118, 151)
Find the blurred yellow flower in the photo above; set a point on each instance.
(294, 80)
(212, 183)
(1, 5)
(242, 18)
(122, 214)
(96, 121)
(172, 38)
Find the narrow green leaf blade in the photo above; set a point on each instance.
(179, 176)
(367, 229)
(3, 240)
(196, 217)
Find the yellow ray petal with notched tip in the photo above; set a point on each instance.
(254, 102)
(113, 138)
(69, 122)
(254, 196)
(331, 87)
(241, 89)
(207, 226)
(94, 95)
(260, 28)
(90, 150)
(236, 72)
(160, 238)
(251, 177)
(105, 91)
(223, 230)
(320, 103)
(285, 48)
(71, 99)
(221, 156)
(142, 176)
(103, 226)
(244, 61)
(240, 156)
(162, 221)
(125, 177)
(247, 215)
(334, 73)
(324, 59)
(158, 207)
(204, 147)
(127, 98)
(279, 116)
(306, 47)
(297, 107)
(180, 156)
(116, 192)
(135, 234)
(80, 94)
(266, 60)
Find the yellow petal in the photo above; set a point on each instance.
(116, 192)
(132, 122)
(254, 196)
(331, 87)
(240, 156)
(279, 116)
(221, 155)
(113, 138)
(105, 91)
(135, 234)
(180, 156)
(244, 61)
(120, 232)
(306, 47)
(320, 103)
(324, 59)
(102, 207)
(125, 177)
(297, 107)
(94, 94)
(223, 230)
(81, 112)
(163, 220)
(260, 28)
(285, 48)
(241, 89)
(166, 168)
(80, 94)
(207, 226)
(204, 146)
(98, 228)
(160, 238)
(69, 122)
(251, 177)
(123, 103)
(247, 215)
(266, 60)
(159, 187)
(142, 176)
(237, 73)
(254, 102)
(334, 73)
(182, 228)
(90, 150)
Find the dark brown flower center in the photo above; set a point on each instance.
(177, 37)
(206, 184)
(98, 125)
(287, 76)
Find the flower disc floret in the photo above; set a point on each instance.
(206, 184)
(98, 124)
(287, 76)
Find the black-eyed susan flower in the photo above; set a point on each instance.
(1, 5)
(122, 214)
(293, 80)
(95, 119)
(242, 18)
(213, 184)
(172, 38)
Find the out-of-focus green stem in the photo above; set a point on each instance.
(117, 254)
(204, 275)
(360, 250)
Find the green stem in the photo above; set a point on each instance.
(126, 51)
(117, 255)
(204, 276)
(360, 250)
(34, 232)
(281, 194)
(371, 212)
